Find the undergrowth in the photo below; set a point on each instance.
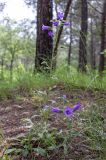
(45, 140)
(26, 82)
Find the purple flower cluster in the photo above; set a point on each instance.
(48, 28)
(56, 23)
(60, 15)
(68, 111)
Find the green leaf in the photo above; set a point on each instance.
(25, 153)
(10, 151)
(53, 147)
(40, 151)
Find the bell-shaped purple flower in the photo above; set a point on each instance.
(76, 107)
(56, 23)
(68, 111)
(44, 28)
(60, 15)
(56, 110)
(50, 33)
(67, 23)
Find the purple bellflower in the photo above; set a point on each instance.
(56, 110)
(68, 111)
(60, 15)
(50, 33)
(56, 23)
(67, 23)
(76, 107)
(44, 28)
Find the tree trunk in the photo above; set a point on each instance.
(70, 45)
(11, 67)
(2, 68)
(44, 43)
(83, 37)
(103, 39)
(92, 52)
(59, 33)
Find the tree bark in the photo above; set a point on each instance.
(92, 52)
(60, 32)
(83, 37)
(70, 45)
(44, 43)
(103, 39)
(2, 68)
(11, 66)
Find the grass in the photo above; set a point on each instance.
(1, 135)
(26, 82)
(94, 128)
(74, 79)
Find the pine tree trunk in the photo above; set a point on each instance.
(103, 39)
(70, 45)
(92, 52)
(83, 37)
(2, 68)
(11, 66)
(44, 43)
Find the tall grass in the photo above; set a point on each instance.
(75, 79)
(26, 82)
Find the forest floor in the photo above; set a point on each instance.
(13, 113)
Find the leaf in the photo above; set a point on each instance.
(25, 153)
(40, 151)
(53, 147)
(65, 149)
(10, 151)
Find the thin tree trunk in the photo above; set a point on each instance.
(92, 52)
(83, 37)
(59, 34)
(70, 45)
(103, 39)
(44, 43)
(11, 67)
(2, 68)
